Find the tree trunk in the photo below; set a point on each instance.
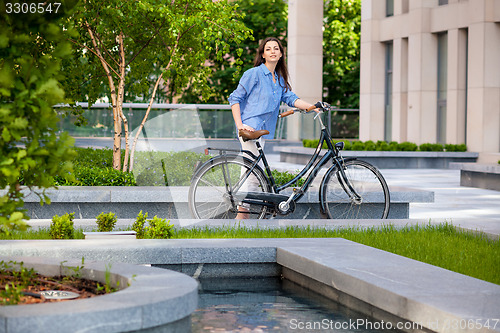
(114, 100)
(121, 95)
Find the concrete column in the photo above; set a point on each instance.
(457, 89)
(400, 90)
(483, 98)
(422, 87)
(305, 61)
(371, 102)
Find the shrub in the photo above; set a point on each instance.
(106, 222)
(431, 147)
(382, 146)
(310, 143)
(358, 145)
(61, 227)
(93, 167)
(452, 147)
(407, 146)
(159, 229)
(139, 225)
(347, 145)
(370, 145)
(281, 178)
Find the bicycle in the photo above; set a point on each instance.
(350, 188)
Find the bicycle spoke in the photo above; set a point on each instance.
(214, 188)
(359, 192)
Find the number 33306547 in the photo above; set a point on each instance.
(32, 8)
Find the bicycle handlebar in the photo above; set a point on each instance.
(320, 105)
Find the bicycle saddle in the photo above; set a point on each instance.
(247, 135)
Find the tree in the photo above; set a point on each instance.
(341, 52)
(31, 151)
(264, 18)
(139, 48)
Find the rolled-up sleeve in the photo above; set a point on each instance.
(289, 98)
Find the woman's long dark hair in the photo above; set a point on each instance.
(280, 67)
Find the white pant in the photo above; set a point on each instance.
(251, 184)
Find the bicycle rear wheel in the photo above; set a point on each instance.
(362, 194)
(218, 191)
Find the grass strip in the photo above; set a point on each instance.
(441, 245)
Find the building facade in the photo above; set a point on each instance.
(430, 73)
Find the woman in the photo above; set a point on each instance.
(255, 102)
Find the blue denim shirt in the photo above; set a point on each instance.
(260, 98)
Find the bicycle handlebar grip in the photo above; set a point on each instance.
(312, 107)
(286, 113)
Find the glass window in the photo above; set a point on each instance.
(389, 7)
(388, 92)
(442, 80)
(443, 2)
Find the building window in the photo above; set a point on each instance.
(442, 81)
(388, 92)
(443, 2)
(389, 7)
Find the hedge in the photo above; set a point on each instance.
(389, 146)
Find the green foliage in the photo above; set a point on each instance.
(407, 146)
(358, 145)
(156, 42)
(431, 147)
(106, 222)
(459, 148)
(61, 227)
(166, 168)
(158, 228)
(93, 167)
(263, 18)
(90, 176)
(281, 178)
(391, 146)
(341, 52)
(31, 50)
(108, 288)
(139, 225)
(13, 288)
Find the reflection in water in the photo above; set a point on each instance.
(272, 305)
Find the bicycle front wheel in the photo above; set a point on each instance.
(219, 189)
(359, 192)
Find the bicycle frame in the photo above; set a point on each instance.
(330, 155)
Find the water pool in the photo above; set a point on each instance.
(274, 305)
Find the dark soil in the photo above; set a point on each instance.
(37, 283)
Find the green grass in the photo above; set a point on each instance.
(440, 245)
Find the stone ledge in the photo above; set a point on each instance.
(385, 159)
(154, 298)
(486, 176)
(172, 202)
